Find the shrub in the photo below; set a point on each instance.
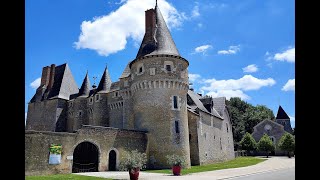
(133, 159)
(175, 160)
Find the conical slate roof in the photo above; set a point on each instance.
(85, 87)
(160, 42)
(105, 82)
(282, 114)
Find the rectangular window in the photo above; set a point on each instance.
(97, 97)
(168, 67)
(176, 123)
(175, 102)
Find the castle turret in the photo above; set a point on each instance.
(159, 92)
(105, 82)
(85, 87)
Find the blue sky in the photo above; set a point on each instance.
(235, 48)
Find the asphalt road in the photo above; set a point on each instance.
(283, 174)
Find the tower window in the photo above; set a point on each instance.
(168, 67)
(97, 97)
(176, 123)
(175, 102)
(189, 137)
(140, 70)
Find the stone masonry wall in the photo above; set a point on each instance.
(106, 139)
(152, 91)
(276, 131)
(193, 138)
(215, 142)
(44, 115)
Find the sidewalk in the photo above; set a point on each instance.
(272, 164)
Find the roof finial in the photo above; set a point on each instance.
(156, 3)
(94, 81)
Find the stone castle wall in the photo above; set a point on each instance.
(37, 147)
(47, 115)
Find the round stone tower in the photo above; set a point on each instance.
(159, 89)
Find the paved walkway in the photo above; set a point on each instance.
(272, 164)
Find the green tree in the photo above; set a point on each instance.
(248, 143)
(245, 116)
(265, 144)
(236, 107)
(287, 143)
(255, 115)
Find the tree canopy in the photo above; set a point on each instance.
(248, 143)
(265, 144)
(245, 116)
(287, 143)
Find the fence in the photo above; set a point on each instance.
(240, 153)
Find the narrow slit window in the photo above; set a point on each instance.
(175, 102)
(177, 127)
(140, 70)
(227, 127)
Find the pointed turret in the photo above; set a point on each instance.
(105, 82)
(157, 38)
(85, 87)
(283, 119)
(282, 114)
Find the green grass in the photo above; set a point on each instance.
(63, 177)
(235, 163)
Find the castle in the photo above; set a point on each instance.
(150, 108)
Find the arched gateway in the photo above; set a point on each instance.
(85, 158)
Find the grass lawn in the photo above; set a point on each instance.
(63, 177)
(235, 163)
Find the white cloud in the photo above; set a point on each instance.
(229, 94)
(25, 118)
(289, 86)
(288, 55)
(195, 11)
(202, 49)
(193, 77)
(108, 34)
(293, 121)
(250, 68)
(231, 50)
(36, 83)
(235, 87)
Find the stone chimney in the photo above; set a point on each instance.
(45, 76)
(150, 17)
(51, 78)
